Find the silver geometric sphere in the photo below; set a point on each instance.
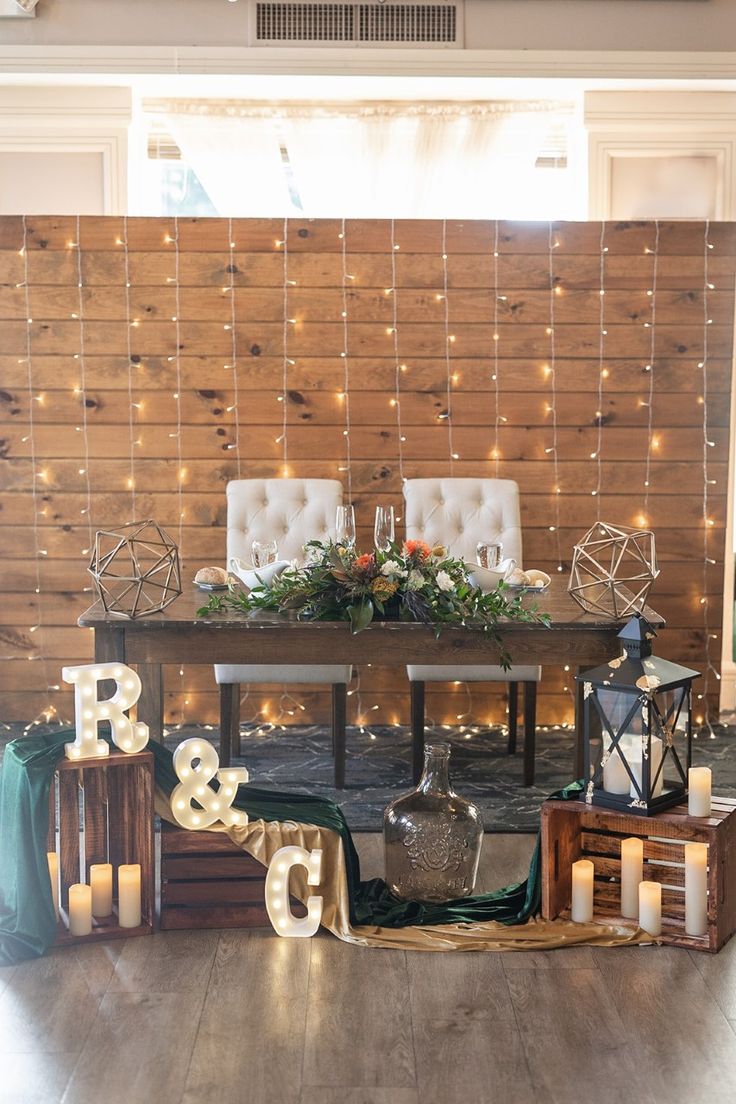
(613, 569)
(135, 569)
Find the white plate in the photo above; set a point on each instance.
(211, 586)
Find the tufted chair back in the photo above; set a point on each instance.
(289, 511)
(460, 512)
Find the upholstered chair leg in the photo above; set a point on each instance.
(530, 731)
(417, 729)
(339, 717)
(513, 712)
(229, 721)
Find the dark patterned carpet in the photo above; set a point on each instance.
(300, 759)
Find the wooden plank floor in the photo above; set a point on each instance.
(221, 1017)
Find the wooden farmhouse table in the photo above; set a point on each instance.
(178, 635)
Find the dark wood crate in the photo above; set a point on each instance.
(207, 881)
(101, 811)
(572, 830)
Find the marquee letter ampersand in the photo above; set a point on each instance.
(194, 803)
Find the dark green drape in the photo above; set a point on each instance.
(27, 924)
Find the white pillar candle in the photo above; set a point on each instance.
(632, 873)
(616, 778)
(699, 786)
(100, 880)
(80, 909)
(53, 861)
(635, 762)
(582, 891)
(696, 888)
(650, 907)
(129, 896)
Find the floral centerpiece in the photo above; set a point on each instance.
(407, 582)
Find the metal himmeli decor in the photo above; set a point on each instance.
(135, 569)
(637, 727)
(613, 568)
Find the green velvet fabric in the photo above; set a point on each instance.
(27, 924)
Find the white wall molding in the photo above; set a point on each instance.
(699, 65)
(660, 124)
(72, 120)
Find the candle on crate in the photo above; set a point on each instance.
(53, 861)
(129, 895)
(699, 786)
(650, 907)
(632, 874)
(80, 909)
(100, 880)
(582, 891)
(696, 888)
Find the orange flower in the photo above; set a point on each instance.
(365, 564)
(417, 550)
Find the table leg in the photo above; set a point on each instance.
(151, 701)
(109, 648)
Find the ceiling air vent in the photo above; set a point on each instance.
(381, 24)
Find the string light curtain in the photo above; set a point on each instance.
(460, 160)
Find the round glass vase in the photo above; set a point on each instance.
(432, 837)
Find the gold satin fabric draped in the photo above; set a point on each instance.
(262, 839)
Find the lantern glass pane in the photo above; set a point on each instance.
(619, 738)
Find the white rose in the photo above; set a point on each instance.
(415, 580)
(444, 581)
(392, 567)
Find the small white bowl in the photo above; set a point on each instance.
(256, 577)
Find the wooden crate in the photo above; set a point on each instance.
(572, 830)
(100, 811)
(207, 881)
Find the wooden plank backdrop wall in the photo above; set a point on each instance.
(96, 396)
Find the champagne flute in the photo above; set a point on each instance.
(345, 526)
(383, 529)
(264, 553)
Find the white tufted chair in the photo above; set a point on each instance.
(291, 512)
(459, 513)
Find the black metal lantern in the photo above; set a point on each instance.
(638, 727)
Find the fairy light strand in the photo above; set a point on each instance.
(345, 355)
(453, 456)
(602, 334)
(394, 293)
(35, 474)
(235, 409)
(283, 398)
(652, 325)
(552, 450)
(496, 343)
(177, 367)
(83, 394)
(177, 398)
(129, 351)
(707, 443)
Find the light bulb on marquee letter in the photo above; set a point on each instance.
(277, 891)
(128, 735)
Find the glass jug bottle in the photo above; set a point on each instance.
(432, 837)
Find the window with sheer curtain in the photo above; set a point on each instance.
(373, 160)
